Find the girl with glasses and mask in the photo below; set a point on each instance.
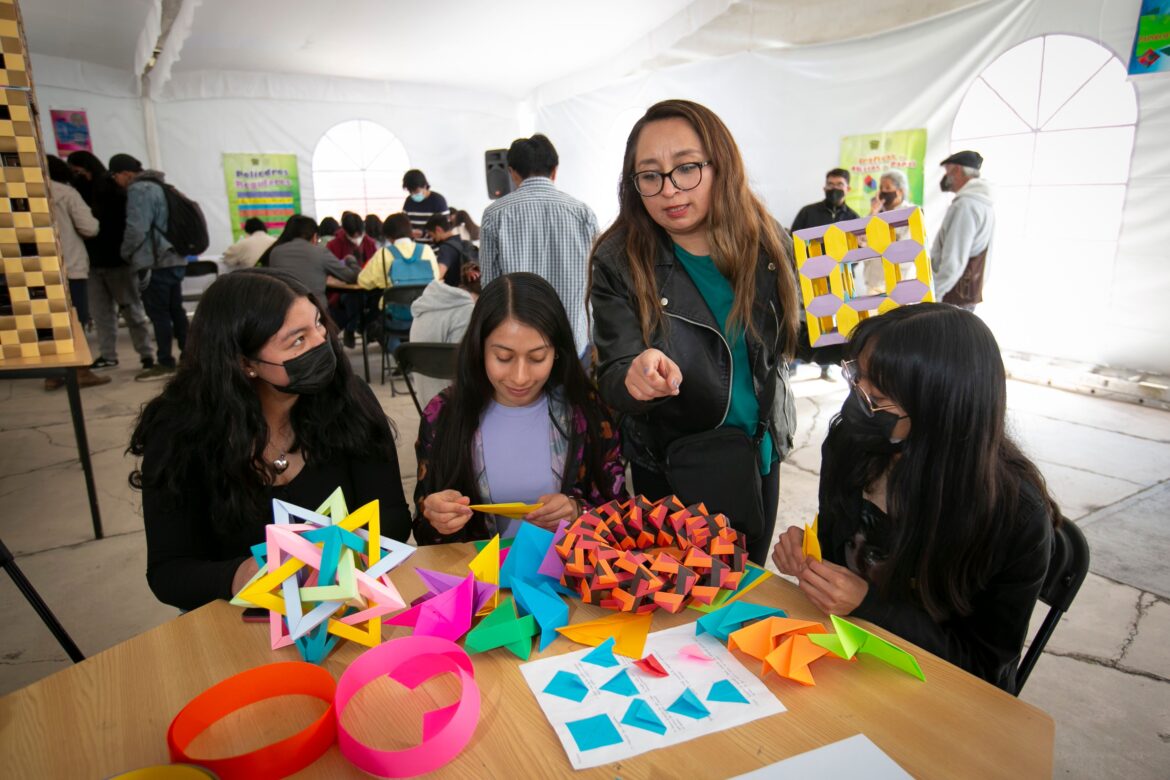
(694, 310)
(933, 524)
(264, 406)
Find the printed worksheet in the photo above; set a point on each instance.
(856, 756)
(607, 708)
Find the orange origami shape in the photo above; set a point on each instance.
(759, 639)
(792, 657)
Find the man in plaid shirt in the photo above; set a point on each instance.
(539, 229)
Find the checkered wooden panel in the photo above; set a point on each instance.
(34, 296)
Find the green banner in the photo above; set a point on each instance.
(265, 186)
(867, 157)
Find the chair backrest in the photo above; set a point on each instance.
(202, 268)
(429, 358)
(1067, 570)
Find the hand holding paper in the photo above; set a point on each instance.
(812, 545)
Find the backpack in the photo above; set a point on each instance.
(469, 251)
(406, 272)
(186, 228)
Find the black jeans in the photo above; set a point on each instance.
(654, 486)
(163, 301)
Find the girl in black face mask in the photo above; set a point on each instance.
(933, 524)
(264, 405)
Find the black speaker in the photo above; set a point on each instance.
(499, 181)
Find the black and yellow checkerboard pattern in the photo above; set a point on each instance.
(34, 298)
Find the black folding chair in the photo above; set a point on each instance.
(8, 562)
(405, 295)
(1066, 572)
(429, 358)
(194, 271)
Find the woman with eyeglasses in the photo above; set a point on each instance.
(694, 308)
(933, 524)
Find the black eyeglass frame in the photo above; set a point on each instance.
(663, 176)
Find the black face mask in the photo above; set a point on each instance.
(834, 197)
(308, 373)
(888, 198)
(870, 434)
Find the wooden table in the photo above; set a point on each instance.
(110, 713)
(65, 367)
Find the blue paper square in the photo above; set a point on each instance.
(595, 732)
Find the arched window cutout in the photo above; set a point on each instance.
(358, 166)
(1054, 118)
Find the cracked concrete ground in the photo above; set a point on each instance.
(1104, 676)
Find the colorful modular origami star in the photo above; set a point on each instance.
(335, 562)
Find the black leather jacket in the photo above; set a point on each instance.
(692, 339)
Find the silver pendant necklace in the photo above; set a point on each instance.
(280, 464)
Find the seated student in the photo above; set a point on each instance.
(421, 203)
(264, 405)
(522, 422)
(933, 524)
(327, 229)
(402, 262)
(451, 251)
(350, 240)
(298, 254)
(441, 315)
(246, 252)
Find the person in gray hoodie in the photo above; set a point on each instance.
(959, 255)
(158, 264)
(441, 315)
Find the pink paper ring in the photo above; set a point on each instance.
(411, 661)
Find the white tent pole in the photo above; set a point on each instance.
(150, 126)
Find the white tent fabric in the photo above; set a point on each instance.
(260, 77)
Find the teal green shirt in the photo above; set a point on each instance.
(744, 412)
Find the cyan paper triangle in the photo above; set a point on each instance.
(688, 704)
(602, 655)
(568, 686)
(724, 690)
(641, 715)
(621, 684)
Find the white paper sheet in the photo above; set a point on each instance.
(658, 692)
(855, 756)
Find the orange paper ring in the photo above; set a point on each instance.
(279, 759)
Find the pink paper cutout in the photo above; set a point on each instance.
(694, 653)
(447, 615)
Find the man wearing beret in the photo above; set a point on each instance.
(959, 255)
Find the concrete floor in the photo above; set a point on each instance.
(1104, 677)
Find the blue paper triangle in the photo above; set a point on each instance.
(525, 555)
(595, 732)
(724, 690)
(732, 617)
(541, 601)
(641, 715)
(602, 655)
(688, 704)
(621, 684)
(568, 686)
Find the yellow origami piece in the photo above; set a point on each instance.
(812, 544)
(514, 510)
(486, 568)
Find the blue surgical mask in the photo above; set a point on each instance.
(418, 197)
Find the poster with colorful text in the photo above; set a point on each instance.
(867, 157)
(265, 186)
(1151, 43)
(71, 130)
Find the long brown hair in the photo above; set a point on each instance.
(737, 226)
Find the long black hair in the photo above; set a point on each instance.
(960, 481)
(206, 428)
(530, 300)
(297, 226)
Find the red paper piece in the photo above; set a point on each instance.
(651, 665)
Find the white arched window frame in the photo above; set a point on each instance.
(1054, 118)
(358, 166)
